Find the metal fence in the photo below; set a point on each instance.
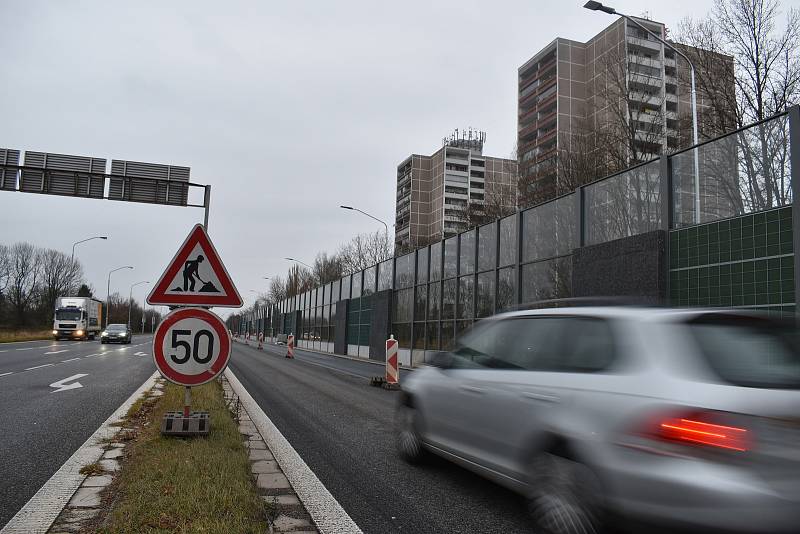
(441, 289)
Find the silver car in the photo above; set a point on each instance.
(653, 416)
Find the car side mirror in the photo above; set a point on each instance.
(442, 360)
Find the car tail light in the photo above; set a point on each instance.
(700, 428)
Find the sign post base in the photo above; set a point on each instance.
(176, 424)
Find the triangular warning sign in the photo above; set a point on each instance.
(196, 276)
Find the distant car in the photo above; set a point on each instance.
(681, 418)
(116, 333)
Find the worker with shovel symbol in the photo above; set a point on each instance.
(190, 272)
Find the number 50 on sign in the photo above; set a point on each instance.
(191, 346)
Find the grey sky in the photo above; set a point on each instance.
(287, 108)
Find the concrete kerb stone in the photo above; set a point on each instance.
(270, 480)
(41, 511)
(86, 497)
(325, 512)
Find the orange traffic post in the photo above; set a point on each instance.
(392, 367)
(290, 346)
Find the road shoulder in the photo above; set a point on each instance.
(43, 508)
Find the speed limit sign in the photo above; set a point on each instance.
(191, 346)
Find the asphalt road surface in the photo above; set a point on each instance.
(342, 428)
(41, 426)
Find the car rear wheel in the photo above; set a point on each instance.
(409, 441)
(564, 497)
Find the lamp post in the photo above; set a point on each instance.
(108, 290)
(386, 226)
(84, 241)
(300, 262)
(130, 299)
(597, 6)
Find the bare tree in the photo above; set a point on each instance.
(752, 167)
(498, 201)
(24, 273)
(364, 250)
(298, 280)
(59, 277)
(5, 268)
(327, 268)
(277, 289)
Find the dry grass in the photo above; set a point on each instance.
(185, 485)
(10, 336)
(92, 469)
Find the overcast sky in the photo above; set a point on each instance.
(288, 109)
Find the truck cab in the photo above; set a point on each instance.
(76, 318)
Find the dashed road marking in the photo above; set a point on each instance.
(70, 360)
(57, 351)
(6, 374)
(30, 348)
(38, 367)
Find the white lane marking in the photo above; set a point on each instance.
(70, 360)
(32, 348)
(325, 510)
(140, 353)
(38, 367)
(6, 350)
(62, 385)
(41, 511)
(6, 374)
(91, 355)
(57, 351)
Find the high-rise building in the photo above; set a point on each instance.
(441, 194)
(616, 100)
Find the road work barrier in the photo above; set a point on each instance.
(290, 346)
(392, 367)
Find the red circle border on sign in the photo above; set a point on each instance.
(209, 374)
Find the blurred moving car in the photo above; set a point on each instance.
(116, 333)
(671, 417)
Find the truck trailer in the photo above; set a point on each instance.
(77, 318)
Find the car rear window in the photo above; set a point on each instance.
(750, 351)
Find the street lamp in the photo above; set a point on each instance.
(597, 6)
(386, 226)
(300, 262)
(130, 299)
(84, 241)
(108, 290)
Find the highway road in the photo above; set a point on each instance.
(43, 425)
(342, 428)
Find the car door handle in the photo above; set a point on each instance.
(473, 389)
(544, 397)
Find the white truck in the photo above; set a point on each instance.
(77, 318)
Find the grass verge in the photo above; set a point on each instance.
(11, 336)
(185, 485)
